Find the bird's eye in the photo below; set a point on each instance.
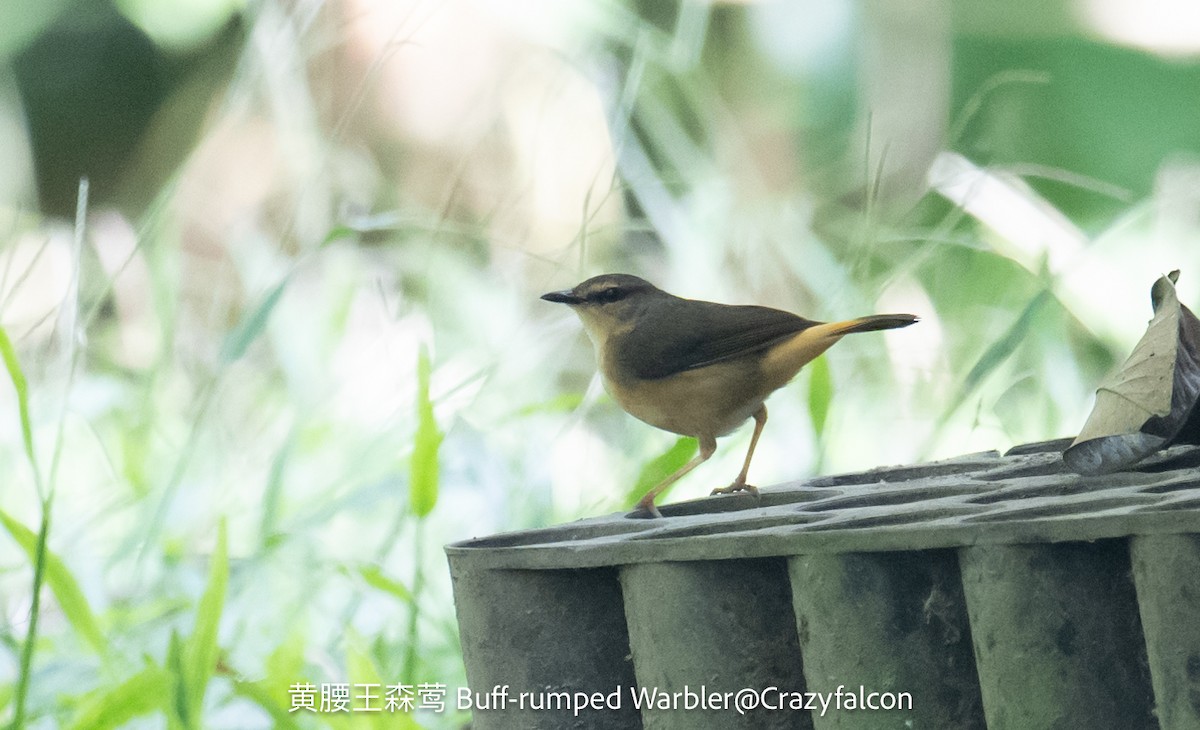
(606, 296)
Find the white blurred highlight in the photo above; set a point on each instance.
(1104, 282)
(1168, 28)
(915, 350)
(1030, 228)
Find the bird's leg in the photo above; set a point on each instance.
(739, 484)
(708, 445)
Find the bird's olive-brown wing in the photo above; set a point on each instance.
(685, 334)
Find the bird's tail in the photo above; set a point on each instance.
(784, 360)
(871, 323)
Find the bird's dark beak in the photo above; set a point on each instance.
(566, 296)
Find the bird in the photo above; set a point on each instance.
(698, 368)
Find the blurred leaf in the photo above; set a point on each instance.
(284, 667)
(13, 365)
(423, 467)
(1147, 404)
(112, 707)
(562, 403)
(261, 695)
(1001, 349)
(133, 443)
(336, 234)
(66, 590)
(248, 330)
(201, 652)
(820, 393)
(286, 664)
(376, 579)
(663, 466)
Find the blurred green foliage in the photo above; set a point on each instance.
(1103, 113)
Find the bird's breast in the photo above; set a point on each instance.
(708, 401)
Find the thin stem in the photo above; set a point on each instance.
(39, 576)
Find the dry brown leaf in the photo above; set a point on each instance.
(1149, 403)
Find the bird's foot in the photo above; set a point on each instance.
(647, 506)
(737, 486)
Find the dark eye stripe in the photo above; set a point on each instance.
(609, 295)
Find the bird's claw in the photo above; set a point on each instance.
(737, 486)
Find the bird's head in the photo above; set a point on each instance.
(609, 303)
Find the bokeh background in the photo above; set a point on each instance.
(286, 341)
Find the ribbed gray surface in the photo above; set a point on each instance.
(1000, 591)
(1024, 496)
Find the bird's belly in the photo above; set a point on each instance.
(708, 401)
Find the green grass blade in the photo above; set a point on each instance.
(661, 467)
(273, 493)
(991, 359)
(21, 386)
(1002, 348)
(248, 330)
(202, 650)
(139, 695)
(423, 467)
(377, 580)
(62, 583)
(177, 708)
(35, 546)
(412, 651)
